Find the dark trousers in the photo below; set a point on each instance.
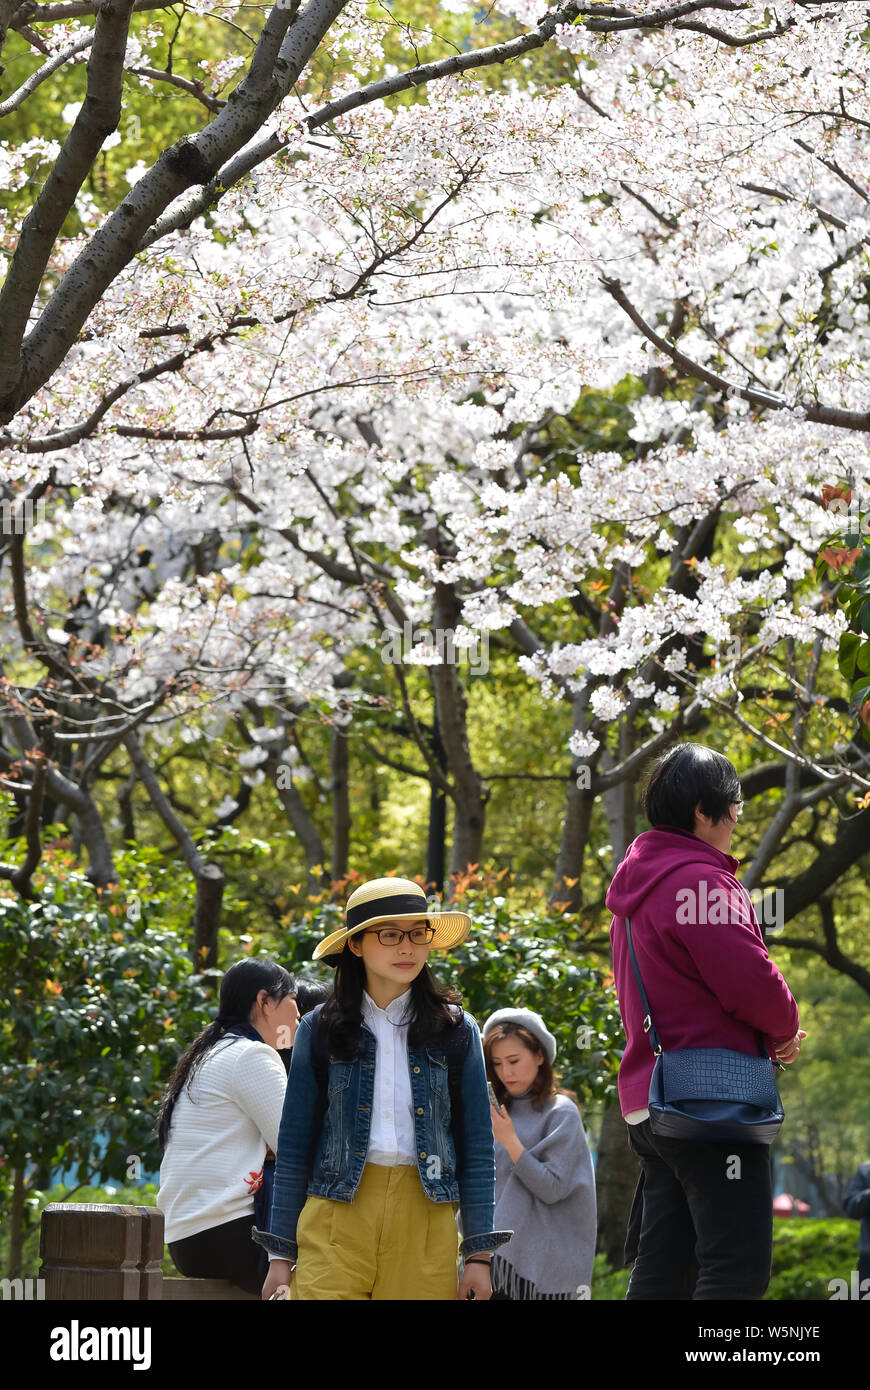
(223, 1252)
(705, 1228)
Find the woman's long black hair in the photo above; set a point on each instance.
(342, 1013)
(239, 989)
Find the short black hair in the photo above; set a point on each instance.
(688, 774)
(310, 993)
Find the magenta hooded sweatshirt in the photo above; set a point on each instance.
(710, 982)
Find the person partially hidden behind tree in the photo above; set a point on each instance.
(857, 1206)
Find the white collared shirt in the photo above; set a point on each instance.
(392, 1141)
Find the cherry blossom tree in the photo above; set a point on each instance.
(522, 244)
(297, 386)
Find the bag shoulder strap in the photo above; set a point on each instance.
(648, 1025)
(456, 1049)
(319, 1048)
(320, 1067)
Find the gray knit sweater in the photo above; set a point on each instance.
(547, 1198)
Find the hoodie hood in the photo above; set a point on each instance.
(651, 857)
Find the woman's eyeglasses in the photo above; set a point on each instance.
(391, 936)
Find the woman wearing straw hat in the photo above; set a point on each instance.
(386, 1123)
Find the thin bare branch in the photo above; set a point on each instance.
(77, 9)
(768, 400)
(20, 875)
(240, 432)
(830, 218)
(836, 169)
(196, 89)
(78, 45)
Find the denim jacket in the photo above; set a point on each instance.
(341, 1150)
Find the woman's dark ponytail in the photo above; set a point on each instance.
(239, 989)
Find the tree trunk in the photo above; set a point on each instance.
(209, 878)
(579, 800)
(620, 801)
(305, 829)
(102, 870)
(572, 849)
(435, 860)
(617, 1170)
(339, 758)
(18, 734)
(467, 842)
(207, 915)
(469, 795)
(125, 805)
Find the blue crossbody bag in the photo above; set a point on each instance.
(709, 1093)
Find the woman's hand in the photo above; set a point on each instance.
(787, 1052)
(278, 1277)
(475, 1280)
(504, 1133)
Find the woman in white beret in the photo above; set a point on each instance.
(545, 1182)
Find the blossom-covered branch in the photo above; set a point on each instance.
(768, 400)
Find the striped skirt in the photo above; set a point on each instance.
(506, 1283)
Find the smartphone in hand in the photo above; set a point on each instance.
(492, 1100)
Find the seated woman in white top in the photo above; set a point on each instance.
(219, 1118)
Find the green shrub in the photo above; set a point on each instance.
(807, 1255)
(608, 1284)
(96, 1010)
(97, 1002)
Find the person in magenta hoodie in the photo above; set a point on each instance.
(703, 1222)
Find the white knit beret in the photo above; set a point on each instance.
(526, 1018)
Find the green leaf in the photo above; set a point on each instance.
(860, 691)
(847, 654)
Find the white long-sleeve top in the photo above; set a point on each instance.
(213, 1163)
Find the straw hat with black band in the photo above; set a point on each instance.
(383, 900)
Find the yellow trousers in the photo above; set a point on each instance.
(390, 1242)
